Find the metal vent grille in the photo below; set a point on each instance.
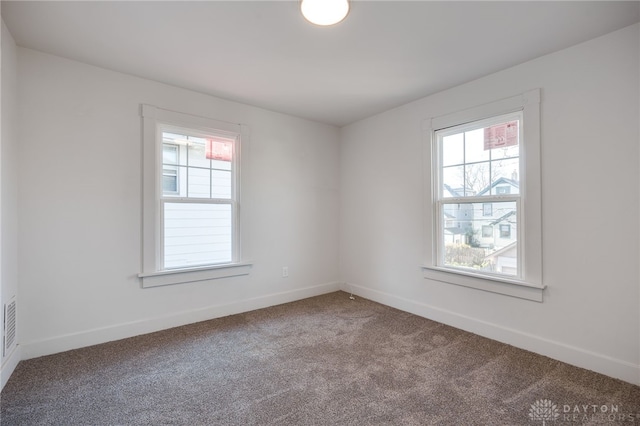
(9, 327)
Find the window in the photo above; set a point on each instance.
(474, 160)
(197, 216)
(484, 163)
(191, 198)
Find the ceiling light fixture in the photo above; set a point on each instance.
(324, 12)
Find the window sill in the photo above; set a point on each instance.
(187, 275)
(505, 286)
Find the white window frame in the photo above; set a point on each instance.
(528, 285)
(155, 121)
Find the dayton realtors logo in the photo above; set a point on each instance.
(545, 410)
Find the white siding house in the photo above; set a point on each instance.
(489, 231)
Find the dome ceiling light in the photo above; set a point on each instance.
(324, 12)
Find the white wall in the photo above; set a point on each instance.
(590, 137)
(80, 207)
(8, 191)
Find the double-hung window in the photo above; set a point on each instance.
(482, 197)
(197, 203)
(191, 198)
(475, 162)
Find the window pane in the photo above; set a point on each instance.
(169, 154)
(196, 153)
(474, 147)
(477, 178)
(221, 184)
(473, 239)
(221, 165)
(506, 173)
(196, 234)
(174, 148)
(199, 184)
(453, 181)
(453, 150)
(169, 182)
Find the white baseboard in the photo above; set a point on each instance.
(121, 331)
(553, 349)
(9, 364)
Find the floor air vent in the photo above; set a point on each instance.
(9, 334)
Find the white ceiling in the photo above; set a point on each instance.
(384, 54)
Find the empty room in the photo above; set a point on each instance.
(320, 212)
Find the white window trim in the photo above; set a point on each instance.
(179, 276)
(153, 119)
(530, 286)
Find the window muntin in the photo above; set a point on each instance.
(478, 169)
(198, 209)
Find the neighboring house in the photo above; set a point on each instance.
(491, 226)
(496, 225)
(499, 229)
(458, 220)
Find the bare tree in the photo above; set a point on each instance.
(479, 176)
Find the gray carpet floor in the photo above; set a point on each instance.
(326, 360)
